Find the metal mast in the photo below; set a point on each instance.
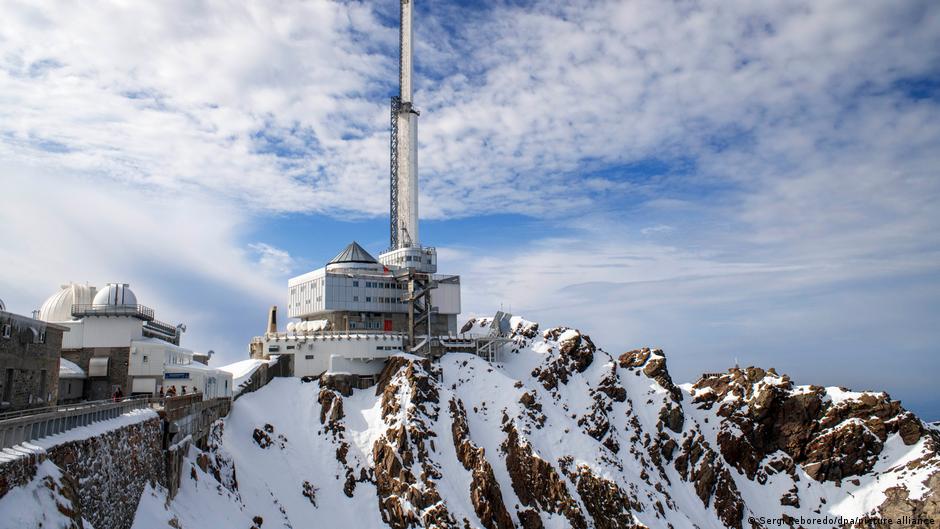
(403, 207)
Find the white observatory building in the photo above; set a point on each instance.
(115, 342)
(357, 310)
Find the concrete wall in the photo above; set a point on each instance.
(29, 368)
(102, 331)
(313, 357)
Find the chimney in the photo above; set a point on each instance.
(272, 319)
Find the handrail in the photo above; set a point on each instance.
(64, 407)
(138, 311)
(58, 419)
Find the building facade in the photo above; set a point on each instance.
(29, 362)
(357, 292)
(120, 345)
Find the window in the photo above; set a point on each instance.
(273, 348)
(355, 283)
(290, 346)
(146, 359)
(355, 298)
(8, 386)
(7, 330)
(308, 357)
(368, 299)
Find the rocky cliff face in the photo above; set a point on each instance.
(559, 433)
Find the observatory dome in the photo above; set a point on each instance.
(59, 305)
(115, 294)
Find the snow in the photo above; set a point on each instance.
(839, 395)
(36, 503)
(568, 335)
(889, 471)
(270, 480)
(243, 370)
(69, 369)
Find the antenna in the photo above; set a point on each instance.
(403, 144)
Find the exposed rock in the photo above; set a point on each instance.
(763, 413)
(344, 384)
(536, 482)
(407, 499)
(485, 493)
(608, 505)
(310, 492)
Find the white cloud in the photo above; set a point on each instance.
(273, 261)
(142, 139)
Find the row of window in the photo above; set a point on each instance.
(378, 284)
(38, 336)
(378, 299)
(365, 325)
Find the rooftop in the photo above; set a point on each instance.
(353, 254)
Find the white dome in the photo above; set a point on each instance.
(115, 294)
(59, 305)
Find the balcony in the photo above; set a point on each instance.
(135, 311)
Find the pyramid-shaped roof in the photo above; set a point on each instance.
(353, 254)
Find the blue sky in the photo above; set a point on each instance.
(726, 180)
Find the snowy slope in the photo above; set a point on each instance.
(557, 434)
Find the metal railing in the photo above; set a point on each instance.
(352, 333)
(36, 423)
(138, 311)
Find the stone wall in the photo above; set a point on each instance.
(101, 388)
(113, 469)
(29, 367)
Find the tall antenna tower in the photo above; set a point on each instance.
(403, 147)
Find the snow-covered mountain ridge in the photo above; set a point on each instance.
(559, 433)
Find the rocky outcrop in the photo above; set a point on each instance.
(575, 354)
(912, 513)
(609, 506)
(537, 483)
(698, 464)
(485, 493)
(653, 364)
(763, 412)
(404, 473)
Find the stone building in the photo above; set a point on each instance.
(29, 362)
